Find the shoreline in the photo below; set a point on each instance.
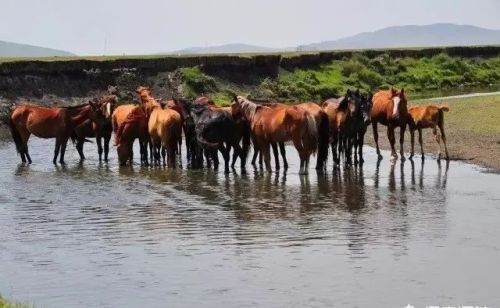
(473, 133)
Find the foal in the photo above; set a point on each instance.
(430, 116)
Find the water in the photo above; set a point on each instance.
(97, 235)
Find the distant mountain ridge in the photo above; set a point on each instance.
(434, 35)
(8, 49)
(442, 34)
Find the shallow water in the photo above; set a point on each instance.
(99, 235)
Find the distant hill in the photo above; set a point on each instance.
(229, 48)
(8, 49)
(442, 34)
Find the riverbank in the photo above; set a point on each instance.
(471, 126)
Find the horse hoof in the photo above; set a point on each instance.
(403, 158)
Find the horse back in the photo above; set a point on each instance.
(43, 122)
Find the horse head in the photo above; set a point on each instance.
(107, 104)
(366, 108)
(399, 104)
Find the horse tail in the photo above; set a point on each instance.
(310, 136)
(323, 137)
(441, 110)
(15, 135)
(444, 108)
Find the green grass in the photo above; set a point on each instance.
(421, 77)
(478, 115)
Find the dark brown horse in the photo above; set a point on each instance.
(45, 122)
(338, 111)
(390, 109)
(101, 129)
(280, 124)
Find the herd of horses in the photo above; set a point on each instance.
(338, 123)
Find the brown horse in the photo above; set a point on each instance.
(130, 123)
(430, 116)
(389, 108)
(45, 122)
(321, 119)
(99, 129)
(280, 124)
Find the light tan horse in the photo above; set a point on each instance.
(390, 109)
(45, 122)
(130, 123)
(280, 124)
(430, 116)
(164, 127)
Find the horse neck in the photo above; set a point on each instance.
(248, 109)
(79, 115)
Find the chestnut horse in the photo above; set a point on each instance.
(280, 124)
(430, 116)
(164, 127)
(99, 129)
(45, 122)
(130, 123)
(390, 109)
(321, 119)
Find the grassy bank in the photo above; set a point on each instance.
(422, 77)
(472, 128)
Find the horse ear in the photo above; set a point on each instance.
(402, 93)
(357, 92)
(348, 93)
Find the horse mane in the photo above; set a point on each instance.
(75, 107)
(343, 102)
(248, 107)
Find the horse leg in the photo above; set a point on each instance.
(274, 145)
(255, 154)
(106, 147)
(225, 154)
(421, 143)
(79, 148)
(438, 140)
(375, 138)
(265, 152)
(283, 155)
(56, 150)
(412, 140)
(63, 151)
(98, 140)
(392, 140)
(443, 137)
(402, 130)
(361, 142)
(164, 154)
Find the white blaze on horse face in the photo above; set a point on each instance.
(395, 101)
(108, 110)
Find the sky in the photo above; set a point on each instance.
(96, 27)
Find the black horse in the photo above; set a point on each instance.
(218, 129)
(358, 121)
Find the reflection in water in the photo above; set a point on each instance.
(102, 235)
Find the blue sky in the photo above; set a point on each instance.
(151, 26)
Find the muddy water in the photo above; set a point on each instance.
(98, 235)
